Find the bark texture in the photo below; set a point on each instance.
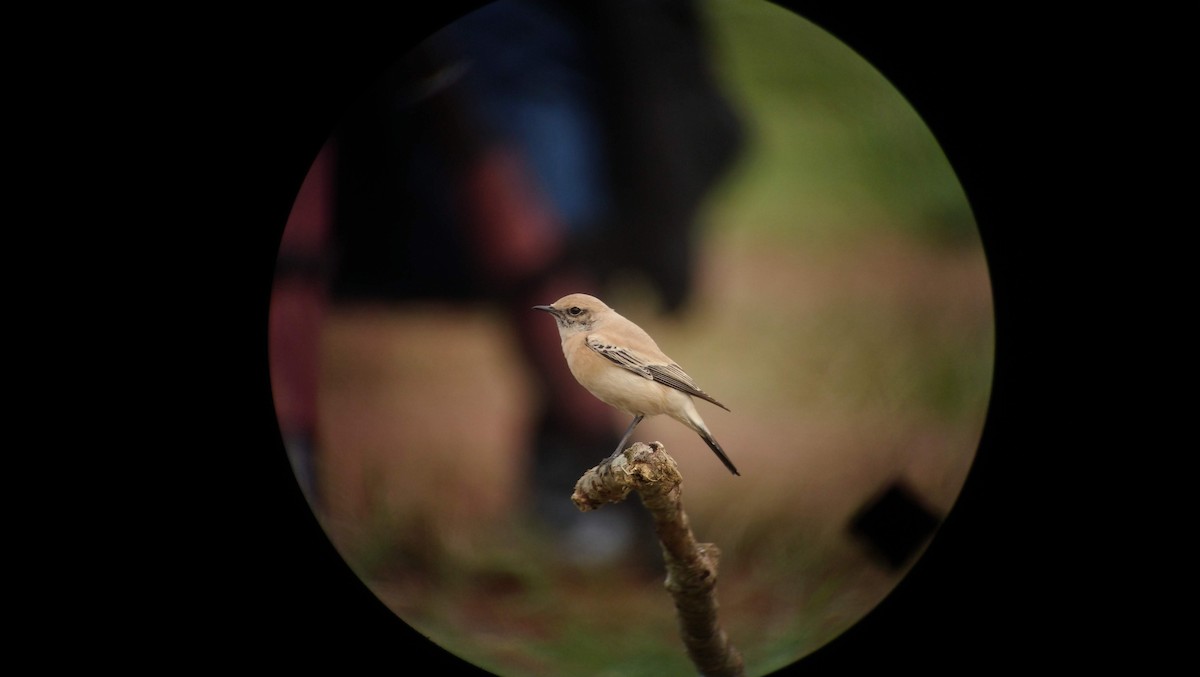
(691, 566)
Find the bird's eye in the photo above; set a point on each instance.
(575, 310)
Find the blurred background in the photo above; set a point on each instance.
(725, 174)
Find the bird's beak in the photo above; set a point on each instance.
(548, 309)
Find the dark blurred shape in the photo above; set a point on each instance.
(894, 525)
(671, 134)
(601, 123)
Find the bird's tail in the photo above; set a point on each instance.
(691, 418)
(712, 444)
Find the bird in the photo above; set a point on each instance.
(618, 362)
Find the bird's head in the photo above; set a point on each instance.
(576, 312)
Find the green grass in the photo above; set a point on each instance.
(834, 148)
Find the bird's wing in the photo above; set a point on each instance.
(668, 374)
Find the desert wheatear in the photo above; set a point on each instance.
(620, 364)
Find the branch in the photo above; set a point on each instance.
(691, 566)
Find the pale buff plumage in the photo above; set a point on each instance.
(620, 364)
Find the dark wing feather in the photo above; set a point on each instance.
(669, 375)
(621, 356)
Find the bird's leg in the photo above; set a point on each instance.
(625, 438)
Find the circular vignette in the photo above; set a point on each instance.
(938, 222)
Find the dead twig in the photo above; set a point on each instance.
(691, 566)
